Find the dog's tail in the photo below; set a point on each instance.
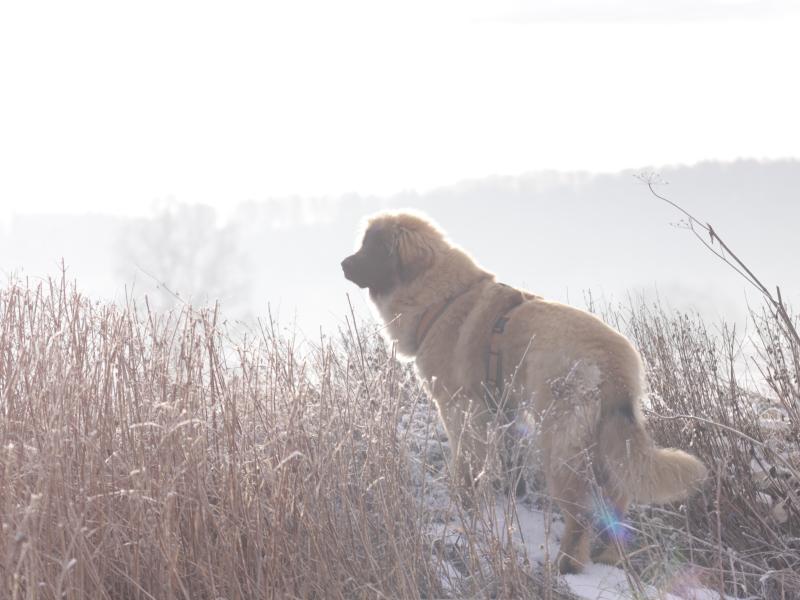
(636, 467)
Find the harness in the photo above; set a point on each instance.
(493, 381)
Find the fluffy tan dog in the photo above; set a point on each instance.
(578, 378)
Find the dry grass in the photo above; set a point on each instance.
(145, 455)
(743, 534)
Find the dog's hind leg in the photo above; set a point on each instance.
(566, 438)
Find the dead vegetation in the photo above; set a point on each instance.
(149, 456)
(743, 533)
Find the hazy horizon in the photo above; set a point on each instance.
(561, 235)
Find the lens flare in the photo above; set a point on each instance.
(611, 523)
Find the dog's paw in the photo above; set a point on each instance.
(568, 565)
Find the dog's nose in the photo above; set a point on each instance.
(346, 264)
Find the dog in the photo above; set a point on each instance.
(480, 346)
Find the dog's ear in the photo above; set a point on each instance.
(413, 251)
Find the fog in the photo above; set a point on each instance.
(562, 235)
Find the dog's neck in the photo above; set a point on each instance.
(404, 308)
(433, 312)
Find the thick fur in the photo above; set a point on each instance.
(578, 378)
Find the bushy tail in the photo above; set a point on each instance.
(636, 467)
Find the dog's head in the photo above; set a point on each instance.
(396, 249)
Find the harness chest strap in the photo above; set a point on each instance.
(493, 382)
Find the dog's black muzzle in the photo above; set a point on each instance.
(352, 272)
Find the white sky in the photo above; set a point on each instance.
(109, 106)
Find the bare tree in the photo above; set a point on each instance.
(183, 254)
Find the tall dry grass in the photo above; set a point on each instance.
(143, 456)
(742, 535)
(150, 456)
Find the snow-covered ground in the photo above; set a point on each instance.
(530, 524)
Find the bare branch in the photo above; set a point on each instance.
(729, 258)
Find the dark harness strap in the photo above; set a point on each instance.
(494, 383)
